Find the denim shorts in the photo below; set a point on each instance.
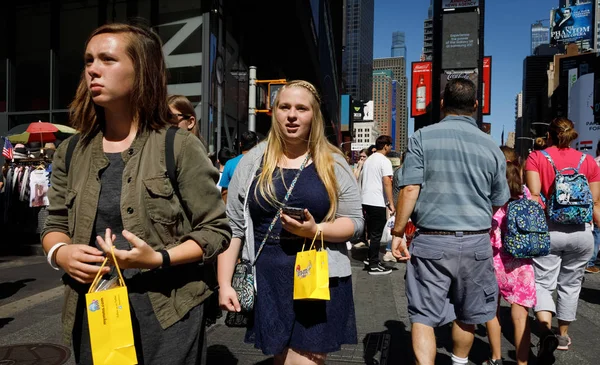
(450, 277)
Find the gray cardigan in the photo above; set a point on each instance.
(349, 205)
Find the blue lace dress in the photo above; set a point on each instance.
(279, 321)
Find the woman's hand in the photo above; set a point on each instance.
(141, 256)
(307, 228)
(79, 262)
(228, 299)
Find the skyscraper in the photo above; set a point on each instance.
(398, 130)
(382, 101)
(540, 34)
(428, 35)
(358, 53)
(398, 44)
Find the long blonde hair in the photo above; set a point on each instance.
(321, 151)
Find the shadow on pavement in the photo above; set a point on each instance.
(392, 346)
(591, 296)
(9, 289)
(220, 354)
(5, 321)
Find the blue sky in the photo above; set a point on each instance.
(507, 40)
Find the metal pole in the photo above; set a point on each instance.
(252, 99)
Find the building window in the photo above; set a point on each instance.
(32, 57)
(77, 21)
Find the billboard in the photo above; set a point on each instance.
(421, 88)
(345, 122)
(486, 96)
(361, 111)
(460, 40)
(469, 74)
(581, 112)
(573, 24)
(453, 4)
(394, 91)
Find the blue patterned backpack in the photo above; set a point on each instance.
(571, 200)
(526, 233)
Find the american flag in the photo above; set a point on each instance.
(7, 150)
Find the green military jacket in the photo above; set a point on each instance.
(149, 209)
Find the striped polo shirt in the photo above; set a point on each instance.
(462, 174)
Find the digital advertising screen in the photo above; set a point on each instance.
(460, 40)
(421, 88)
(469, 74)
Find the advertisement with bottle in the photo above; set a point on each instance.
(421, 88)
(486, 94)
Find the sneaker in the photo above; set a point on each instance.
(546, 347)
(389, 257)
(563, 342)
(493, 362)
(592, 269)
(366, 262)
(379, 270)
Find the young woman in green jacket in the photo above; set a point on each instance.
(116, 192)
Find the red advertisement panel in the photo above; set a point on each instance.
(486, 102)
(421, 88)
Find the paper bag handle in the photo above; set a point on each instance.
(97, 278)
(319, 230)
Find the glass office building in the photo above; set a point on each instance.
(208, 46)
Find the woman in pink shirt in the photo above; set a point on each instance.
(571, 245)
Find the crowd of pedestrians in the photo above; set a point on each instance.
(113, 190)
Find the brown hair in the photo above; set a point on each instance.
(562, 132)
(183, 104)
(539, 143)
(149, 89)
(514, 175)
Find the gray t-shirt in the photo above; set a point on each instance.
(462, 174)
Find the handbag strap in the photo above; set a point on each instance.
(287, 196)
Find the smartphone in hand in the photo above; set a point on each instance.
(296, 213)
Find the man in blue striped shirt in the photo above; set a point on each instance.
(453, 179)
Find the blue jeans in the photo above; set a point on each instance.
(596, 233)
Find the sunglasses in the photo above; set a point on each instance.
(179, 115)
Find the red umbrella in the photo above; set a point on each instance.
(41, 132)
(41, 127)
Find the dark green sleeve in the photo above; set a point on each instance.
(197, 179)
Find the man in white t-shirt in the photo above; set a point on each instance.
(376, 190)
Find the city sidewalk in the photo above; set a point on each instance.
(31, 300)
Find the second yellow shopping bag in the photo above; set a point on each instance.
(311, 272)
(109, 319)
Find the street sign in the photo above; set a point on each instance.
(355, 146)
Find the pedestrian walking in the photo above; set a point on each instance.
(248, 141)
(376, 193)
(571, 245)
(295, 161)
(516, 279)
(453, 180)
(183, 115)
(591, 266)
(113, 189)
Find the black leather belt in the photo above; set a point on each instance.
(451, 233)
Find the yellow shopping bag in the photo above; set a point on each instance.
(109, 319)
(311, 273)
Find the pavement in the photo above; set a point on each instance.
(31, 301)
